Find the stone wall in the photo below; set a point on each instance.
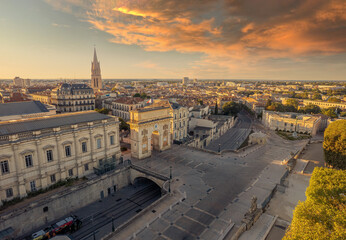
(63, 203)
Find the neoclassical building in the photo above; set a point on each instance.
(36, 153)
(180, 121)
(121, 107)
(292, 122)
(73, 98)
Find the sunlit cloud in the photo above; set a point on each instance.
(232, 34)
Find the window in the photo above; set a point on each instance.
(49, 154)
(70, 172)
(111, 138)
(175, 116)
(33, 186)
(52, 178)
(84, 147)
(28, 160)
(9, 192)
(4, 167)
(98, 143)
(68, 151)
(86, 167)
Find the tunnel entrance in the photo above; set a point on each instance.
(147, 186)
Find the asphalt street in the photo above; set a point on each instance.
(235, 136)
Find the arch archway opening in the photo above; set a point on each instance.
(155, 141)
(147, 187)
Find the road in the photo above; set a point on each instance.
(235, 136)
(124, 204)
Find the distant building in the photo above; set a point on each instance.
(199, 111)
(121, 107)
(96, 80)
(42, 97)
(20, 82)
(22, 110)
(180, 122)
(185, 81)
(73, 97)
(323, 104)
(37, 153)
(292, 122)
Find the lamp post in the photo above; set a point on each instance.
(113, 228)
(170, 172)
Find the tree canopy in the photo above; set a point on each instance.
(103, 110)
(231, 108)
(123, 125)
(334, 144)
(323, 214)
(141, 95)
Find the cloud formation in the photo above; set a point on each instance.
(230, 33)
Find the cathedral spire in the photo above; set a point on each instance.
(96, 80)
(95, 56)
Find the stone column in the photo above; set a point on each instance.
(18, 165)
(91, 131)
(62, 174)
(42, 173)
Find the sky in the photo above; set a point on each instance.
(204, 39)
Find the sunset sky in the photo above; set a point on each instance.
(205, 39)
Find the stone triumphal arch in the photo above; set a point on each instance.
(151, 129)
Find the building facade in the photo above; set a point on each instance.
(73, 98)
(121, 107)
(35, 154)
(180, 122)
(20, 82)
(323, 104)
(96, 80)
(291, 122)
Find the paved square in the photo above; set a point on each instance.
(190, 226)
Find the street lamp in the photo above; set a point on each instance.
(170, 172)
(113, 228)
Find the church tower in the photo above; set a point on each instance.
(96, 81)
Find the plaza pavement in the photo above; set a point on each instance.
(279, 214)
(218, 189)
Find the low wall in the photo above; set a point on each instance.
(62, 203)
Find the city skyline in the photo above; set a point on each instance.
(295, 40)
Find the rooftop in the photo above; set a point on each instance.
(21, 108)
(19, 126)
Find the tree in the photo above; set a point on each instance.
(231, 108)
(334, 100)
(323, 214)
(216, 109)
(310, 109)
(330, 112)
(292, 102)
(316, 96)
(103, 110)
(123, 125)
(334, 144)
(137, 95)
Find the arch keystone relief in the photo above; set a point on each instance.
(150, 129)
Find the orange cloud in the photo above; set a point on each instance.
(230, 32)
